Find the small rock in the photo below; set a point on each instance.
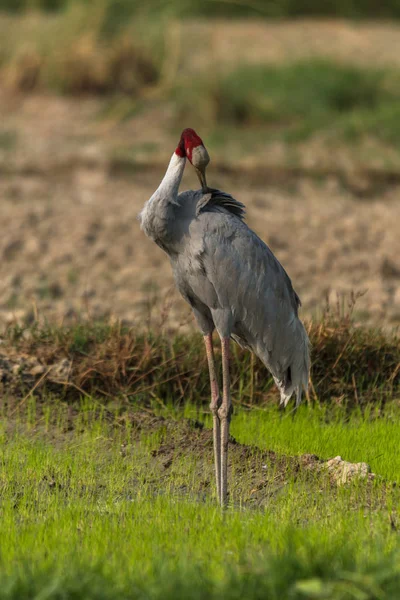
(344, 471)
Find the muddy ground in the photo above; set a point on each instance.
(256, 476)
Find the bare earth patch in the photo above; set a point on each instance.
(74, 175)
(72, 246)
(177, 457)
(256, 475)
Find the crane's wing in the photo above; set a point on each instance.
(249, 285)
(241, 266)
(214, 200)
(234, 282)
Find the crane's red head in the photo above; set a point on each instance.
(189, 140)
(191, 146)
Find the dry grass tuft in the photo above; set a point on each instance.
(70, 54)
(351, 365)
(86, 68)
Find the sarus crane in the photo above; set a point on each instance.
(233, 283)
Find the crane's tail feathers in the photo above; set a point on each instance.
(297, 374)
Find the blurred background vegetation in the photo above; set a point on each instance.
(142, 55)
(293, 98)
(120, 9)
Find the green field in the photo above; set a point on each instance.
(111, 494)
(89, 508)
(106, 461)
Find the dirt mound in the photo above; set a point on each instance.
(256, 476)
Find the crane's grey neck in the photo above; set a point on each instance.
(157, 211)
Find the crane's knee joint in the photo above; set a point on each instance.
(225, 412)
(215, 404)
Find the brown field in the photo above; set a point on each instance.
(74, 177)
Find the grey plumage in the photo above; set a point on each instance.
(233, 281)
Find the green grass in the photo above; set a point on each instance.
(101, 500)
(295, 101)
(371, 435)
(87, 512)
(357, 437)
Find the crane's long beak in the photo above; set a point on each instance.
(201, 174)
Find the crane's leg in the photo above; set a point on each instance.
(225, 413)
(214, 406)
